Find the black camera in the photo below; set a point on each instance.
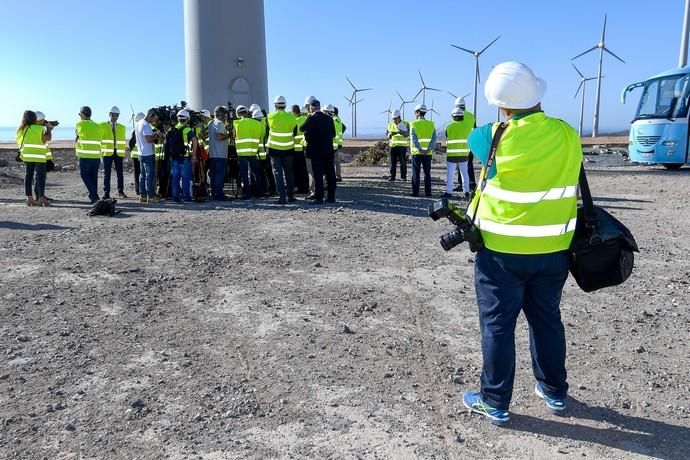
(464, 230)
(52, 124)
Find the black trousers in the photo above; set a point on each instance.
(470, 171)
(323, 164)
(419, 163)
(399, 154)
(299, 170)
(137, 174)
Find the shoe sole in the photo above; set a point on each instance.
(493, 420)
(553, 410)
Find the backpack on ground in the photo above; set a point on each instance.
(174, 145)
(103, 208)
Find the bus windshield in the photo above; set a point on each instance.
(665, 97)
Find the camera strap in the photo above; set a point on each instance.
(489, 164)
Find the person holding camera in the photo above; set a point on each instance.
(397, 133)
(182, 164)
(145, 142)
(48, 127)
(89, 137)
(218, 137)
(422, 144)
(525, 209)
(31, 139)
(114, 145)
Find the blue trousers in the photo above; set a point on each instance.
(507, 284)
(107, 171)
(282, 168)
(217, 167)
(182, 169)
(88, 169)
(39, 187)
(420, 162)
(146, 176)
(250, 174)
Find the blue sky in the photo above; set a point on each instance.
(62, 54)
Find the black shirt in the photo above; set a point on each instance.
(319, 131)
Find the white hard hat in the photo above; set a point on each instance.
(183, 114)
(395, 113)
(140, 116)
(309, 100)
(114, 109)
(40, 116)
(460, 102)
(240, 109)
(280, 100)
(205, 113)
(254, 107)
(513, 85)
(457, 112)
(420, 108)
(329, 108)
(257, 114)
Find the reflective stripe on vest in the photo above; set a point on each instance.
(108, 143)
(247, 136)
(299, 137)
(398, 140)
(530, 205)
(457, 133)
(281, 129)
(90, 135)
(424, 129)
(33, 150)
(338, 139)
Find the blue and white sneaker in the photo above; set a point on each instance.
(476, 404)
(554, 405)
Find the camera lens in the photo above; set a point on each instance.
(452, 239)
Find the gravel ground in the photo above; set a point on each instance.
(248, 330)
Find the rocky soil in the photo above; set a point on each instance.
(249, 330)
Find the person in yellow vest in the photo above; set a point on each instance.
(181, 163)
(469, 119)
(282, 127)
(340, 129)
(31, 139)
(248, 131)
(265, 168)
(133, 150)
(457, 152)
(88, 149)
(422, 145)
(113, 148)
(299, 164)
(526, 209)
(50, 166)
(398, 132)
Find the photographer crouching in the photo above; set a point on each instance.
(520, 223)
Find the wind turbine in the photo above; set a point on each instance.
(583, 87)
(432, 111)
(403, 103)
(477, 77)
(388, 112)
(353, 110)
(424, 89)
(602, 47)
(354, 103)
(455, 97)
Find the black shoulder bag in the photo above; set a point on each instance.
(19, 153)
(601, 253)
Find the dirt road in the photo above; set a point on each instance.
(249, 330)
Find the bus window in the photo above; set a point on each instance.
(665, 98)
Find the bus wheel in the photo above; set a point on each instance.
(673, 165)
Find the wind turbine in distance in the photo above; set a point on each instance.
(455, 97)
(583, 87)
(354, 103)
(602, 47)
(432, 111)
(353, 111)
(424, 89)
(477, 77)
(403, 103)
(388, 112)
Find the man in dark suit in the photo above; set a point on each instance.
(319, 131)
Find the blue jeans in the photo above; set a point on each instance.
(107, 171)
(250, 174)
(507, 284)
(88, 169)
(147, 177)
(282, 168)
(420, 162)
(217, 167)
(39, 187)
(182, 169)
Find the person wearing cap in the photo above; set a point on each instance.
(182, 167)
(88, 149)
(457, 152)
(247, 132)
(146, 141)
(113, 148)
(469, 118)
(31, 139)
(218, 137)
(526, 210)
(397, 133)
(282, 127)
(319, 131)
(134, 152)
(299, 164)
(422, 145)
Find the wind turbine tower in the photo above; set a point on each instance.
(355, 93)
(583, 87)
(601, 46)
(477, 78)
(225, 52)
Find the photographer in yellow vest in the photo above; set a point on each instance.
(31, 139)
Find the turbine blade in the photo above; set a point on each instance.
(351, 84)
(401, 98)
(611, 53)
(478, 75)
(463, 49)
(467, 95)
(421, 78)
(487, 46)
(585, 52)
(454, 96)
(603, 33)
(582, 82)
(417, 95)
(365, 89)
(577, 70)
(433, 89)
